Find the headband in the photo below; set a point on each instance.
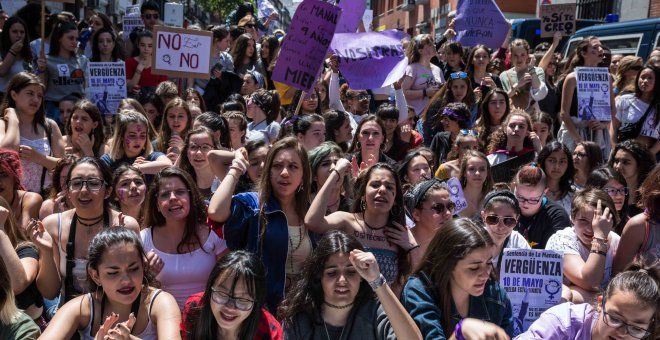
(503, 193)
(452, 114)
(414, 196)
(258, 77)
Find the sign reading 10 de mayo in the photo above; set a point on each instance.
(181, 53)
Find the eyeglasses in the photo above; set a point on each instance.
(93, 184)
(222, 298)
(495, 220)
(151, 16)
(615, 192)
(528, 200)
(204, 147)
(362, 97)
(466, 132)
(614, 322)
(458, 75)
(178, 193)
(440, 208)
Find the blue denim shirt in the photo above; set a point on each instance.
(242, 232)
(418, 298)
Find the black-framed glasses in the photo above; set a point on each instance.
(495, 220)
(223, 298)
(528, 200)
(152, 16)
(204, 147)
(440, 208)
(93, 184)
(615, 192)
(178, 193)
(614, 322)
(458, 75)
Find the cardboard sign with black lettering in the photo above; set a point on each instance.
(179, 52)
(557, 18)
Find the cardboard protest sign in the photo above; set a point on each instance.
(132, 20)
(456, 194)
(480, 22)
(107, 85)
(182, 53)
(533, 280)
(593, 93)
(557, 18)
(306, 43)
(370, 60)
(351, 14)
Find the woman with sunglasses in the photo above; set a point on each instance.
(454, 300)
(232, 306)
(641, 235)
(429, 206)
(588, 245)
(540, 218)
(524, 83)
(500, 214)
(627, 309)
(422, 79)
(454, 120)
(63, 238)
(476, 180)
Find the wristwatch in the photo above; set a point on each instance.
(377, 283)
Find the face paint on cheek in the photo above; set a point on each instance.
(121, 193)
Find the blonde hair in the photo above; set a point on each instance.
(124, 118)
(8, 312)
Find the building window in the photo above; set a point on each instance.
(597, 9)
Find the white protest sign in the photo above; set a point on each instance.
(593, 93)
(367, 19)
(132, 20)
(173, 14)
(456, 194)
(532, 279)
(182, 53)
(107, 85)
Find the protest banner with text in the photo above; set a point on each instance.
(182, 53)
(557, 18)
(306, 43)
(480, 22)
(533, 280)
(456, 194)
(132, 20)
(593, 93)
(370, 60)
(107, 85)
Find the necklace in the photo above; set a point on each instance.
(301, 238)
(372, 228)
(91, 222)
(339, 307)
(325, 325)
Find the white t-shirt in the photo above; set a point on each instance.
(423, 78)
(630, 109)
(263, 131)
(567, 242)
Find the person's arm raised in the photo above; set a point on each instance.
(566, 100)
(316, 219)
(632, 239)
(220, 205)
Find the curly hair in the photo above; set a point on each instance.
(499, 138)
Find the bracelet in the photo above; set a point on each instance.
(412, 248)
(598, 252)
(12, 53)
(337, 171)
(599, 240)
(377, 283)
(238, 165)
(458, 332)
(235, 177)
(237, 169)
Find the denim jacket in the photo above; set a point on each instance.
(242, 231)
(418, 297)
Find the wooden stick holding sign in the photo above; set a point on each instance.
(183, 53)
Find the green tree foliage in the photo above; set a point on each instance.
(224, 7)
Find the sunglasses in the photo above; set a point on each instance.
(440, 208)
(458, 75)
(151, 16)
(466, 132)
(495, 220)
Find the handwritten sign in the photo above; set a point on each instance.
(132, 20)
(182, 53)
(593, 93)
(557, 18)
(456, 194)
(480, 22)
(107, 85)
(533, 280)
(306, 43)
(173, 14)
(351, 14)
(370, 60)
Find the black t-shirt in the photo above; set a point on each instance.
(537, 229)
(30, 296)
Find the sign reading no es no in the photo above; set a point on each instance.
(179, 52)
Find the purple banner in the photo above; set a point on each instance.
(306, 43)
(351, 15)
(480, 22)
(370, 60)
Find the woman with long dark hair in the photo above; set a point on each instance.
(106, 47)
(15, 53)
(557, 163)
(244, 55)
(586, 157)
(84, 130)
(634, 161)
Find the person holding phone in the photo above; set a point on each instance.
(524, 83)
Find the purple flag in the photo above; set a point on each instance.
(306, 43)
(370, 60)
(480, 22)
(351, 15)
